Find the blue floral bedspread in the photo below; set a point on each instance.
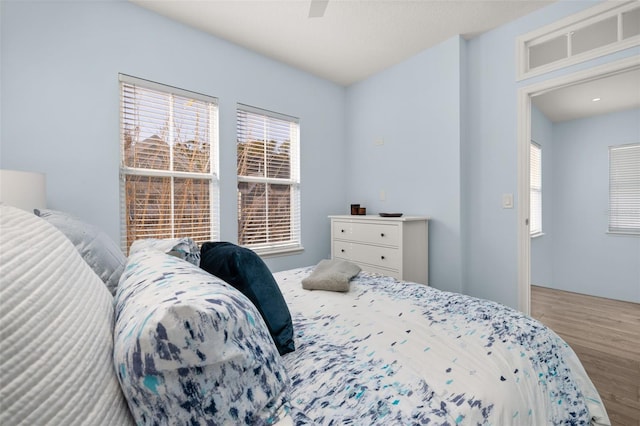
(396, 353)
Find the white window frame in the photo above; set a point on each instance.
(212, 176)
(566, 27)
(294, 244)
(535, 228)
(624, 189)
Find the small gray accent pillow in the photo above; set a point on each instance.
(96, 248)
(331, 275)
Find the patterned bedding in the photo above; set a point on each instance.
(191, 349)
(390, 352)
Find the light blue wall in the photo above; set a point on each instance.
(541, 246)
(491, 237)
(447, 117)
(586, 259)
(415, 108)
(59, 83)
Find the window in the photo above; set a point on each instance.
(168, 167)
(535, 196)
(624, 189)
(268, 181)
(595, 32)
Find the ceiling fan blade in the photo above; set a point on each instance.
(317, 8)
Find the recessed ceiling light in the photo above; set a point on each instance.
(595, 99)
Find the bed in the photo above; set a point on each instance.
(392, 352)
(167, 342)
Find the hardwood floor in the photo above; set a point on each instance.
(605, 334)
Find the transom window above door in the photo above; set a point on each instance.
(598, 31)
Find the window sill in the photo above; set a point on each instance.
(281, 251)
(624, 234)
(537, 234)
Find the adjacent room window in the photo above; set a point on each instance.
(624, 189)
(535, 198)
(268, 180)
(168, 167)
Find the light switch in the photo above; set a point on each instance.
(383, 195)
(507, 201)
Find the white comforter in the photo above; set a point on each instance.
(390, 352)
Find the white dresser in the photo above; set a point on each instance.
(394, 246)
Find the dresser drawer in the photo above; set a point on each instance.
(372, 233)
(384, 257)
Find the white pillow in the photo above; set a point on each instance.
(56, 331)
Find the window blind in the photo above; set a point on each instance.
(535, 198)
(624, 189)
(268, 180)
(169, 167)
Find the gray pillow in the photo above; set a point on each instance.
(96, 247)
(331, 275)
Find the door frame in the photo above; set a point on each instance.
(524, 137)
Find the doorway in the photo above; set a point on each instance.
(525, 96)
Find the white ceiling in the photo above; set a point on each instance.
(353, 39)
(616, 93)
